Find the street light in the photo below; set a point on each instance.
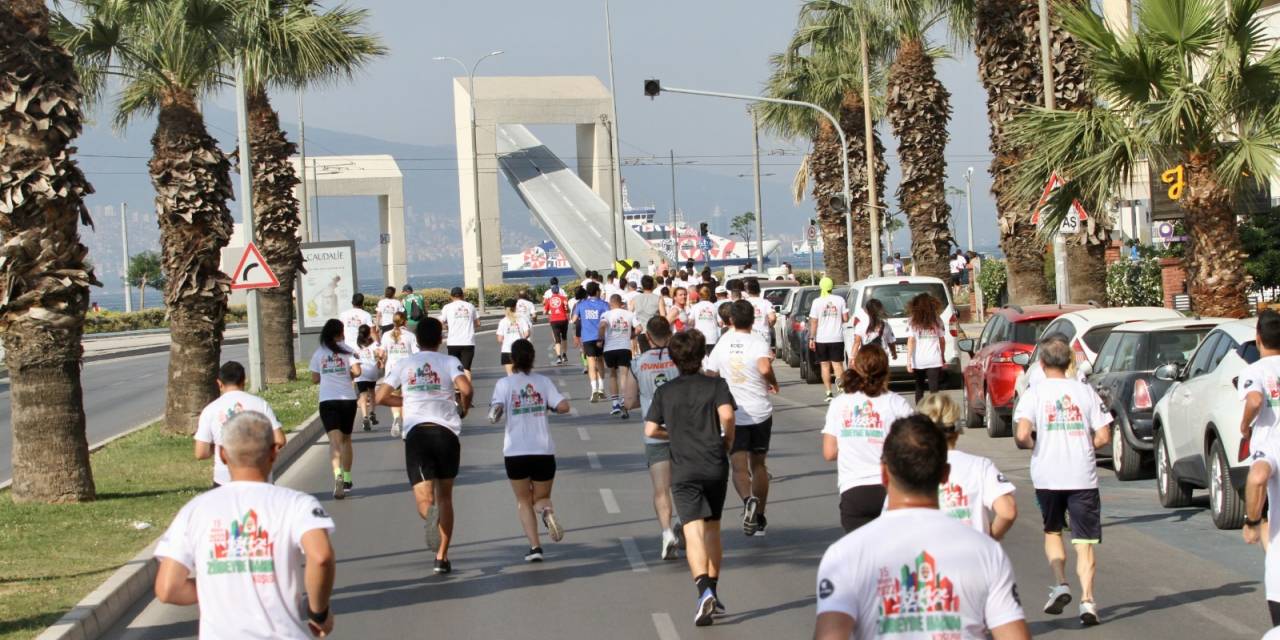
(653, 87)
(475, 163)
(968, 202)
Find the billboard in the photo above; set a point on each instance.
(326, 288)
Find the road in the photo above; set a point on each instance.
(119, 393)
(1163, 573)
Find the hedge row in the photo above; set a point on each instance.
(156, 318)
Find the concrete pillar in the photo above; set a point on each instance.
(595, 160)
(391, 238)
(490, 215)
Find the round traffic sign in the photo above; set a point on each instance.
(811, 233)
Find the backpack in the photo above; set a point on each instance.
(415, 308)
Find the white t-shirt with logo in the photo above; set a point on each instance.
(216, 414)
(735, 359)
(528, 398)
(425, 380)
(387, 309)
(1269, 453)
(972, 489)
(398, 350)
(352, 319)
(829, 311)
(707, 320)
(242, 543)
(1263, 377)
(915, 574)
(653, 369)
(459, 318)
(859, 424)
(1064, 414)
(526, 309)
(511, 331)
(928, 353)
(761, 325)
(862, 329)
(335, 374)
(616, 325)
(368, 356)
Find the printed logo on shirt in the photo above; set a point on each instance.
(1272, 387)
(825, 589)
(919, 600)
(862, 421)
(830, 311)
(1064, 415)
(659, 380)
(333, 363)
(243, 547)
(230, 413)
(423, 378)
(528, 401)
(319, 512)
(954, 502)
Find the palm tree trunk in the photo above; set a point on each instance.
(275, 231)
(853, 124)
(1216, 274)
(828, 180)
(919, 108)
(192, 179)
(44, 276)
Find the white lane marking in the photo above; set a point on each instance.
(593, 460)
(1209, 613)
(610, 503)
(582, 433)
(666, 628)
(633, 555)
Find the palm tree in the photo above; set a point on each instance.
(167, 55)
(1194, 84)
(44, 274)
(292, 44)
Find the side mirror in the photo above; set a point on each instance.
(1022, 359)
(1167, 372)
(965, 345)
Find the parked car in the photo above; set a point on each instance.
(781, 333)
(1197, 424)
(895, 293)
(991, 373)
(1124, 376)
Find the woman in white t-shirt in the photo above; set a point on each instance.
(511, 328)
(924, 342)
(371, 356)
(975, 490)
(527, 398)
(853, 436)
(874, 329)
(333, 367)
(397, 344)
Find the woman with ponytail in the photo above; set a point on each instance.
(333, 367)
(397, 344)
(853, 435)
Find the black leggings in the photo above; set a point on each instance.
(1274, 608)
(932, 376)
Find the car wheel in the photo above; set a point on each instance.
(997, 426)
(809, 371)
(1224, 500)
(1171, 491)
(1126, 460)
(793, 358)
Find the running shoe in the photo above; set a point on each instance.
(339, 488)
(1059, 597)
(534, 555)
(432, 526)
(442, 567)
(368, 426)
(828, 398)
(373, 417)
(1088, 613)
(749, 522)
(616, 410)
(678, 531)
(553, 526)
(668, 545)
(719, 609)
(395, 427)
(597, 396)
(626, 415)
(762, 523)
(346, 484)
(706, 607)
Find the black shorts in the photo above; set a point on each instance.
(617, 358)
(338, 415)
(753, 438)
(506, 359)
(464, 354)
(828, 351)
(431, 452)
(700, 499)
(365, 385)
(592, 349)
(860, 505)
(559, 330)
(1085, 507)
(535, 468)
(955, 278)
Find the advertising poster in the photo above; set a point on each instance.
(326, 288)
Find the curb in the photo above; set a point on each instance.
(100, 610)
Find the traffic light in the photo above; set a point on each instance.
(702, 229)
(652, 88)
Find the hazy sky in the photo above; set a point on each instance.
(704, 44)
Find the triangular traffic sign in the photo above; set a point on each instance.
(1053, 184)
(253, 272)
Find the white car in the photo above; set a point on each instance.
(1197, 424)
(895, 293)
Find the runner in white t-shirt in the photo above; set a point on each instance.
(871, 327)
(398, 343)
(435, 395)
(651, 370)
(914, 573)
(387, 309)
(371, 356)
(975, 493)
(231, 401)
(744, 361)
(525, 307)
(827, 316)
(765, 316)
(461, 322)
(1259, 387)
(526, 399)
(246, 551)
(1069, 423)
(334, 367)
(618, 328)
(853, 435)
(925, 342)
(354, 318)
(705, 318)
(511, 328)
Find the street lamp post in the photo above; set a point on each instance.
(1050, 102)
(755, 139)
(475, 165)
(653, 88)
(968, 203)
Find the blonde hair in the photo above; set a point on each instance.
(944, 412)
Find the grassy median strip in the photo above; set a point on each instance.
(51, 556)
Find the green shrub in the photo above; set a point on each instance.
(993, 279)
(1135, 283)
(156, 318)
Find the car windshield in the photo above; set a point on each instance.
(896, 297)
(1171, 346)
(1028, 331)
(775, 296)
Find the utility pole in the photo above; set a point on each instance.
(1061, 283)
(613, 219)
(873, 209)
(124, 273)
(614, 161)
(308, 229)
(675, 235)
(968, 203)
(755, 139)
(257, 373)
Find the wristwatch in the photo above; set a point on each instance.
(318, 617)
(1252, 523)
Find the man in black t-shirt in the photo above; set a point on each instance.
(695, 412)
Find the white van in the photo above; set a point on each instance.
(895, 293)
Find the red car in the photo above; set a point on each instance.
(990, 374)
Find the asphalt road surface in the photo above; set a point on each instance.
(119, 394)
(1162, 573)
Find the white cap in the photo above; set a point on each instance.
(720, 290)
